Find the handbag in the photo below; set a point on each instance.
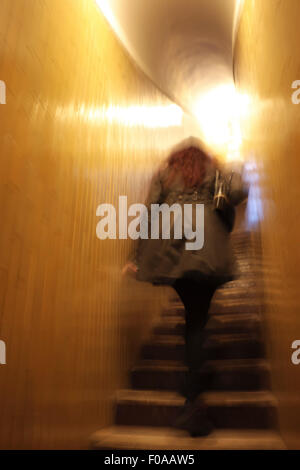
(222, 205)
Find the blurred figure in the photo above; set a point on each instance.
(188, 176)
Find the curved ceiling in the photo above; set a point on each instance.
(184, 46)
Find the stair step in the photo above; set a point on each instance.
(235, 323)
(234, 306)
(226, 409)
(216, 375)
(233, 346)
(237, 294)
(240, 235)
(220, 346)
(246, 268)
(219, 307)
(243, 284)
(241, 289)
(164, 347)
(228, 291)
(149, 438)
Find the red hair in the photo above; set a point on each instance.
(191, 163)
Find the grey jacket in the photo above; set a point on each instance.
(163, 261)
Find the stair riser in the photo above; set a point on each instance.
(228, 295)
(215, 327)
(253, 379)
(218, 309)
(236, 350)
(163, 352)
(241, 284)
(240, 416)
(232, 294)
(244, 249)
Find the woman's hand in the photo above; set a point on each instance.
(130, 269)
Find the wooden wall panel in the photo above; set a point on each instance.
(267, 62)
(69, 140)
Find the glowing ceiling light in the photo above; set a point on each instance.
(219, 113)
(146, 116)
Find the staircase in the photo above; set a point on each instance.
(236, 374)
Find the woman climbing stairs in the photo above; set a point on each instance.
(236, 374)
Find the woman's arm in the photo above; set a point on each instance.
(153, 197)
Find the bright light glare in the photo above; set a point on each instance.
(147, 116)
(219, 113)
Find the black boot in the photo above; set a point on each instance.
(193, 418)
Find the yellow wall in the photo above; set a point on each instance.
(267, 61)
(71, 326)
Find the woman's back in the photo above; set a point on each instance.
(187, 178)
(185, 184)
(173, 185)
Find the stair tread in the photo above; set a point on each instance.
(165, 339)
(233, 292)
(213, 398)
(179, 311)
(234, 302)
(151, 364)
(228, 317)
(149, 438)
(231, 337)
(215, 364)
(225, 319)
(224, 303)
(219, 338)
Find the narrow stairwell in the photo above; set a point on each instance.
(236, 374)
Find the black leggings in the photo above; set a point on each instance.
(196, 298)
